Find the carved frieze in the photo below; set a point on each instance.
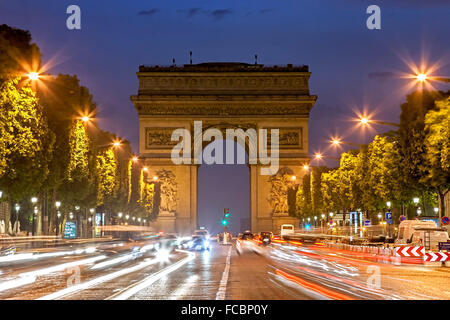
(159, 138)
(159, 84)
(225, 110)
(288, 138)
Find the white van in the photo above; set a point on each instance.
(415, 232)
(286, 229)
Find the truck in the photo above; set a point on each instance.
(421, 233)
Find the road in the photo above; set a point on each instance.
(132, 270)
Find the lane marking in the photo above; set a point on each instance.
(141, 285)
(30, 277)
(223, 283)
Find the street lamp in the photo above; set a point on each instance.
(416, 200)
(120, 214)
(366, 121)
(58, 204)
(436, 210)
(155, 178)
(305, 167)
(388, 204)
(135, 159)
(127, 216)
(319, 156)
(92, 210)
(34, 200)
(293, 178)
(33, 76)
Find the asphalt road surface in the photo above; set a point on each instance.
(133, 270)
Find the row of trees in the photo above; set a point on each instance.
(398, 166)
(48, 152)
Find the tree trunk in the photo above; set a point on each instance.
(51, 218)
(442, 206)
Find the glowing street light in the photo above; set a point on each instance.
(58, 204)
(388, 204)
(135, 159)
(120, 214)
(366, 121)
(293, 178)
(33, 76)
(337, 142)
(155, 178)
(34, 200)
(85, 118)
(305, 167)
(116, 144)
(127, 217)
(331, 214)
(319, 156)
(416, 200)
(92, 210)
(145, 169)
(421, 77)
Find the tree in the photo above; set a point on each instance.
(436, 166)
(28, 142)
(17, 54)
(107, 181)
(317, 206)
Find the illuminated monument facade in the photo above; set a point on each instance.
(223, 95)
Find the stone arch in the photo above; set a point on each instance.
(242, 96)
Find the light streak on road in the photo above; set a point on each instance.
(37, 256)
(312, 286)
(30, 277)
(11, 284)
(82, 286)
(111, 262)
(141, 285)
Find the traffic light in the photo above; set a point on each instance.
(226, 215)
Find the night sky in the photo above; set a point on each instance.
(352, 67)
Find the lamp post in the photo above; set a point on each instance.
(36, 221)
(416, 202)
(58, 215)
(17, 207)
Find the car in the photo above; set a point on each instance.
(198, 243)
(244, 242)
(246, 235)
(201, 233)
(265, 237)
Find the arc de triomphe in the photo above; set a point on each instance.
(222, 95)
